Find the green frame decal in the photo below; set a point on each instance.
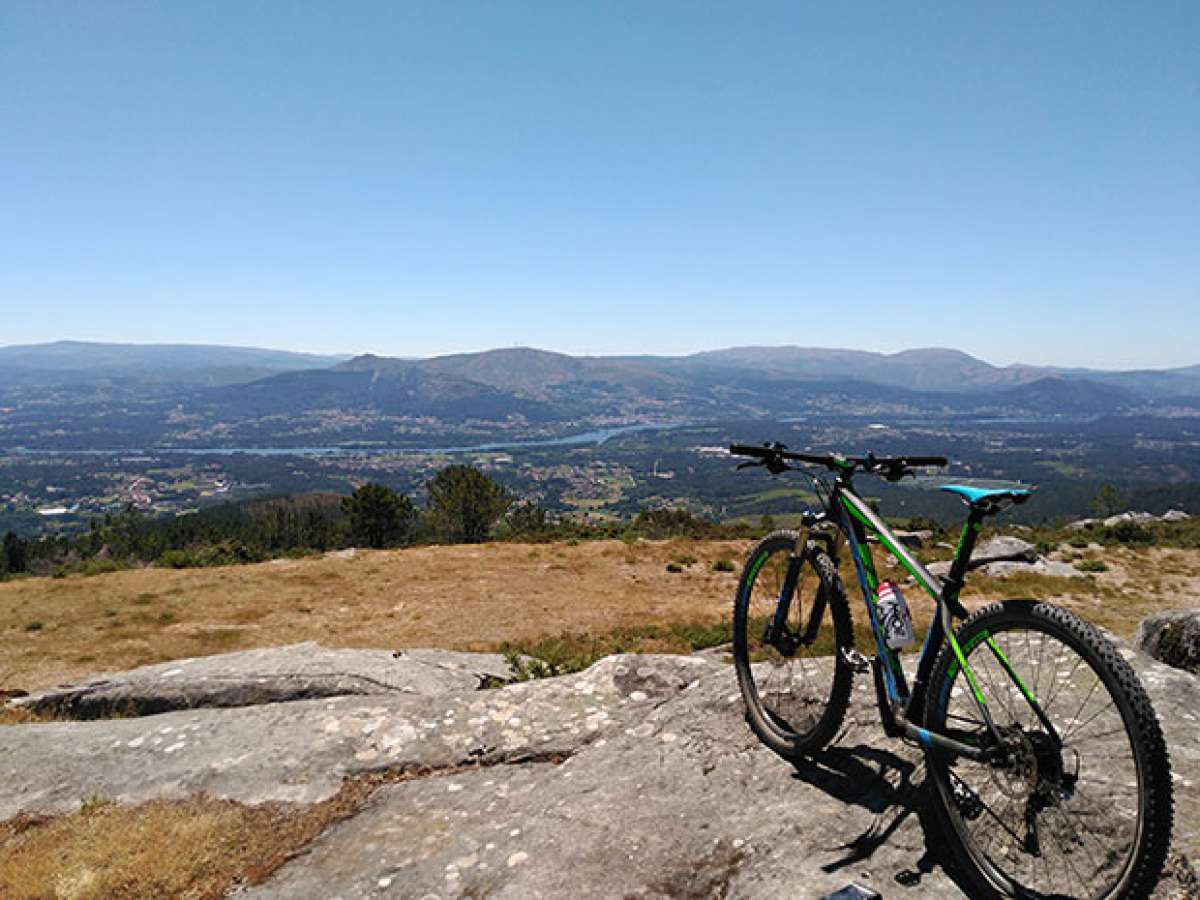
(961, 658)
(887, 540)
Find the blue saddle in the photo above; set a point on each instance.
(974, 495)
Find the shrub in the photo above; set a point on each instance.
(226, 553)
(665, 523)
(101, 566)
(1128, 533)
(94, 802)
(34, 626)
(526, 668)
(1092, 565)
(722, 565)
(674, 567)
(176, 559)
(527, 519)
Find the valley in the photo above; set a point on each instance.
(89, 429)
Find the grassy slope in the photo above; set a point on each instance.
(611, 594)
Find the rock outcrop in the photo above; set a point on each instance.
(1172, 637)
(1136, 518)
(635, 778)
(271, 675)
(1004, 555)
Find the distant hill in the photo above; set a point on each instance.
(84, 362)
(932, 369)
(937, 369)
(1067, 395)
(393, 390)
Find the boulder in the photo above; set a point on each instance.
(1174, 515)
(1172, 637)
(1139, 518)
(1001, 548)
(1050, 567)
(914, 539)
(270, 675)
(1004, 548)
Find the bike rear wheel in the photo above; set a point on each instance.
(1082, 807)
(795, 683)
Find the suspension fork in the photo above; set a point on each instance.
(776, 633)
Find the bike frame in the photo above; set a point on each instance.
(901, 706)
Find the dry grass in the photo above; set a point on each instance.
(196, 848)
(465, 597)
(15, 715)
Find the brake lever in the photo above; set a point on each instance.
(747, 465)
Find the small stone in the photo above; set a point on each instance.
(517, 858)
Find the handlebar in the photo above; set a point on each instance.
(774, 457)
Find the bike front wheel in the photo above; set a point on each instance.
(1081, 803)
(794, 681)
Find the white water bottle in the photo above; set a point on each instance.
(894, 616)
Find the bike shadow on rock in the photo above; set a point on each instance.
(892, 788)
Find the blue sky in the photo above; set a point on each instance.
(1020, 181)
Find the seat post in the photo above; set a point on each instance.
(953, 582)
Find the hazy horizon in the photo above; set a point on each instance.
(358, 353)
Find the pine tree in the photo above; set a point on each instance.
(379, 517)
(464, 504)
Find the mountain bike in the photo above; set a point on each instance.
(1046, 763)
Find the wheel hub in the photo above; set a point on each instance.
(1032, 763)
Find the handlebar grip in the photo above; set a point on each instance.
(926, 461)
(751, 450)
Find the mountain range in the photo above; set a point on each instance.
(545, 385)
(377, 398)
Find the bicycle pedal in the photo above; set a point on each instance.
(859, 663)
